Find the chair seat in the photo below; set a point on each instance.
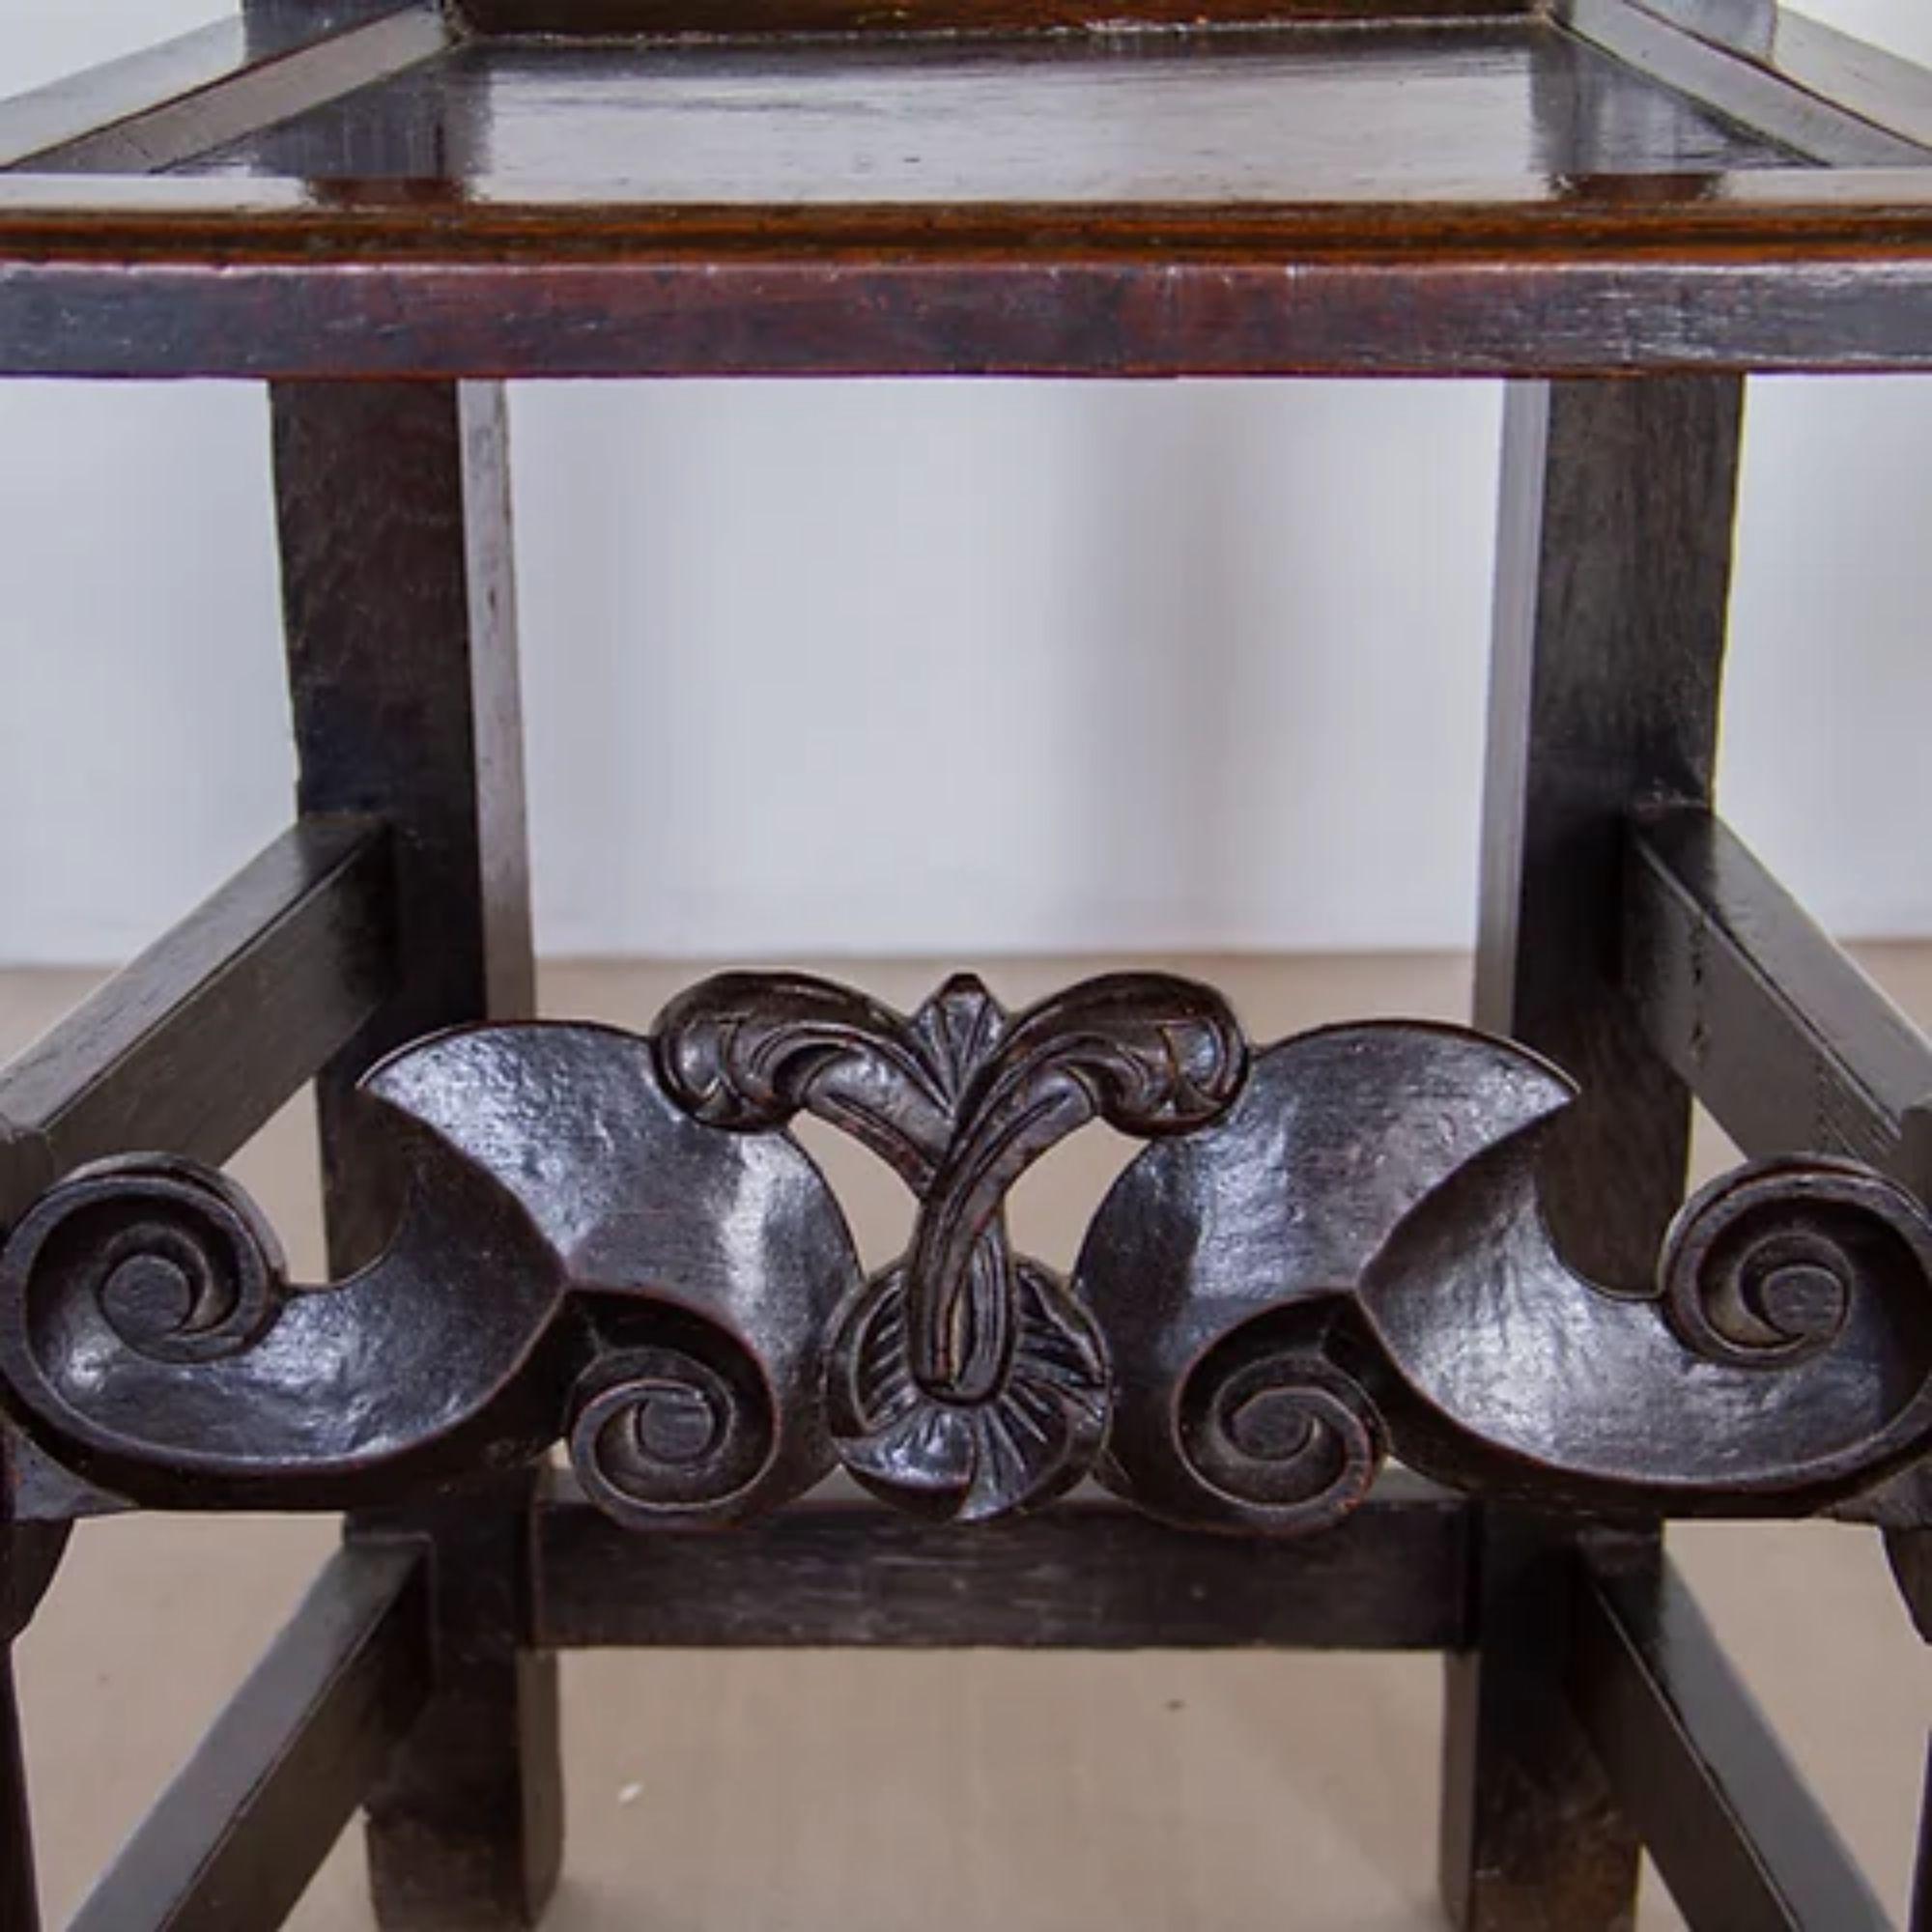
(1237, 117)
(1346, 187)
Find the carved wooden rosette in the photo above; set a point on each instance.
(1331, 1252)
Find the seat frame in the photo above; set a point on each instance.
(1626, 934)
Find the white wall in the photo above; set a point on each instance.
(942, 666)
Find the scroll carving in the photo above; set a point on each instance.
(1330, 1253)
(575, 1258)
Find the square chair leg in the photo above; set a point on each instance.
(1613, 594)
(394, 504)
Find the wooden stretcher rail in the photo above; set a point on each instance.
(1081, 1576)
(236, 1838)
(1688, 55)
(1827, 68)
(189, 277)
(929, 17)
(1734, 1832)
(173, 101)
(201, 1039)
(1776, 1031)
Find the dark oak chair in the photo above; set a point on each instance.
(1392, 1337)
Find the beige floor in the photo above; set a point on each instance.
(970, 1793)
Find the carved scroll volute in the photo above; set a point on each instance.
(573, 1256)
(1223, 1265)
(702, 1269)
(1357, 1259)
(1784, 1361)
(963, 1381)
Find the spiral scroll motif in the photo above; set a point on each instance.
(1333, 1251)
(170, 1259)
(1763, 1267)
(659, 1433)
(1290, 1440)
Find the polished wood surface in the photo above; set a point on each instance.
(1752, 91)
(205, 88)
(1612, 587)
(1852, 76)
(152, 108)
(1263, 116)
(399, 598)
(1336, 1249)
(1450, 194)
(1737, 1836)
(374, 289)
(700, 20)
(1784, 1040)
(204, 1036)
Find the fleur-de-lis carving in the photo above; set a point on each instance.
(963, 1380)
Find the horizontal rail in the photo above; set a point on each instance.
(1849, 76)
(1735, 1834)
(193, 1047)
(187, 97)
(1755, 93)
(750, 17)
(1084, 1576)
(1767, 1021)
(240, 1833)
(196, 275)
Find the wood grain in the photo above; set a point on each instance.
(1806, 55)
(1756, 92)
(173, 101)
(1267, 114)
(201, 1039)
(234, 1841)
(1085, 1576)
(1788, 1044)
(746, 18)
(165, 278)
(1613, 595)
(393, 508)
(1738, 1838)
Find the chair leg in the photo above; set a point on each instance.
(1613, 591)
(1922, 1886)
(394, 504)
(19, 1907)
(465, 1828)
(1910, 1554)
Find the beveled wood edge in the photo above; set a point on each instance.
(764, 19)
(841, 1571)
(1773, 1026)
(1736, 1834)
(181, 99)
(249, 1818)
(1789, 214)
(1761, 93)
(1853, 75)
(279, 966)
(1072, 315)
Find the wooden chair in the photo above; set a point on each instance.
(1335, 1254)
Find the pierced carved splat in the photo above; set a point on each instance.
(964, 1380)
(1332, 1252)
